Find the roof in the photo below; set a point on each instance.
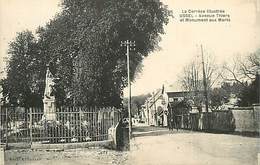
(155, 96)
(177, 94)
(173, 88)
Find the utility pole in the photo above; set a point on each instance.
(155, 112)
(205, 86)
(148, 114)
(128, 45)
(204, 81)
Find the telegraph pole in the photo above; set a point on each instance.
(128, 45)
(204, 81)
(155, 112)
(147, 109)
(205, 87)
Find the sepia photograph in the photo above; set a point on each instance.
(129, 82)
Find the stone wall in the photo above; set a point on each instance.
(239, 119)
(246, 118)
(222, 121)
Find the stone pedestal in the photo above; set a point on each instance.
(49, 109)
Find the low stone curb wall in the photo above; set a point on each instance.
(104, 144)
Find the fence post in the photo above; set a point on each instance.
(6, 120)
(113, 117)
(182, 121)
(80, 128)
(30, 126)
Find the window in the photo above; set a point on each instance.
(175, 99)
(170, 99)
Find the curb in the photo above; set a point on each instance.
(63, 146)
(151, 133)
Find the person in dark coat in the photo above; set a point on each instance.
(172, 123)
(176, 122)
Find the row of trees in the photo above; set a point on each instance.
(82, 47)
(238, 79)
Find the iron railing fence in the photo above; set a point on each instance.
(3, 125)
(14, 126)
(68, 124)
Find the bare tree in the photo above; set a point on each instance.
(243, 69)
(191, 77)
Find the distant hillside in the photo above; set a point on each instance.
(136, 103)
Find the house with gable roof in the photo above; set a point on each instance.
(156, 107)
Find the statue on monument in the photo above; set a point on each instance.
(49, 99)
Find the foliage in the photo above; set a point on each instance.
(82, 46)
(247, 94)
(4, 90)
(136, 103)
(243, 69)
(221, 95)
(245, 72)
(240, 79)
(56, 132)
(191, 78)
(250, 93)
(25, 71)
(180, 107)
(101, 25)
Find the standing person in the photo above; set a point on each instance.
(169, 123)
(172, 123)
(176, 122)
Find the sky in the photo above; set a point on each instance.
(19, 15)
(179, 44)
(182, 40)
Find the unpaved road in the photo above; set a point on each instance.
(196, 149)
(154, 147)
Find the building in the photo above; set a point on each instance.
(156, 107)
(173, 96)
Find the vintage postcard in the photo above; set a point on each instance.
(129, 82)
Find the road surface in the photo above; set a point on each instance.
(196, 148)
(154, 146)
